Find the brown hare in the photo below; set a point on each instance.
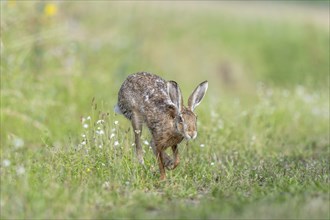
(147, 98)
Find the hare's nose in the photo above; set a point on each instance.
(193, 135)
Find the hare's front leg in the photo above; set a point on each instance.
(161, 164)
(167, 160)
(176, 156)
(159, 153)
(137, 129)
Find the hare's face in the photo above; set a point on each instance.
(186, 124)
(185, 119)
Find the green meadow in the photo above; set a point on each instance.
(262, 150)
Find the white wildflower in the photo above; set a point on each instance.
(116, 143)
(6, 163)
(85, 125)
(127, 183)
(18, 142)
(20, 170)
(146, 142)
(83, 143)
(202, 145)
(88, 118)
(212, 163)
(116, 122)
(253, 139)
(100, 132)
(83, 135)
(112, 135)
(106, 185)
(100, 121)
(100, 146)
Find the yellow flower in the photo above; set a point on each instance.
(50, 9)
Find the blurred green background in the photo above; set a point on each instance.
(57, 56)
(267, 63)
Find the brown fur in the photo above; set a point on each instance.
(147, 98)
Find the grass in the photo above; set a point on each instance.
(263, 145)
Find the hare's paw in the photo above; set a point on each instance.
(176, 163)
(168, 162)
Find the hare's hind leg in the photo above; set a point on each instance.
(137, 129)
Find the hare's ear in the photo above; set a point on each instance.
(174, 93)
(197, 95)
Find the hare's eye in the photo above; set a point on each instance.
(180, 119)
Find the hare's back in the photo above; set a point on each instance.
(142, 92)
